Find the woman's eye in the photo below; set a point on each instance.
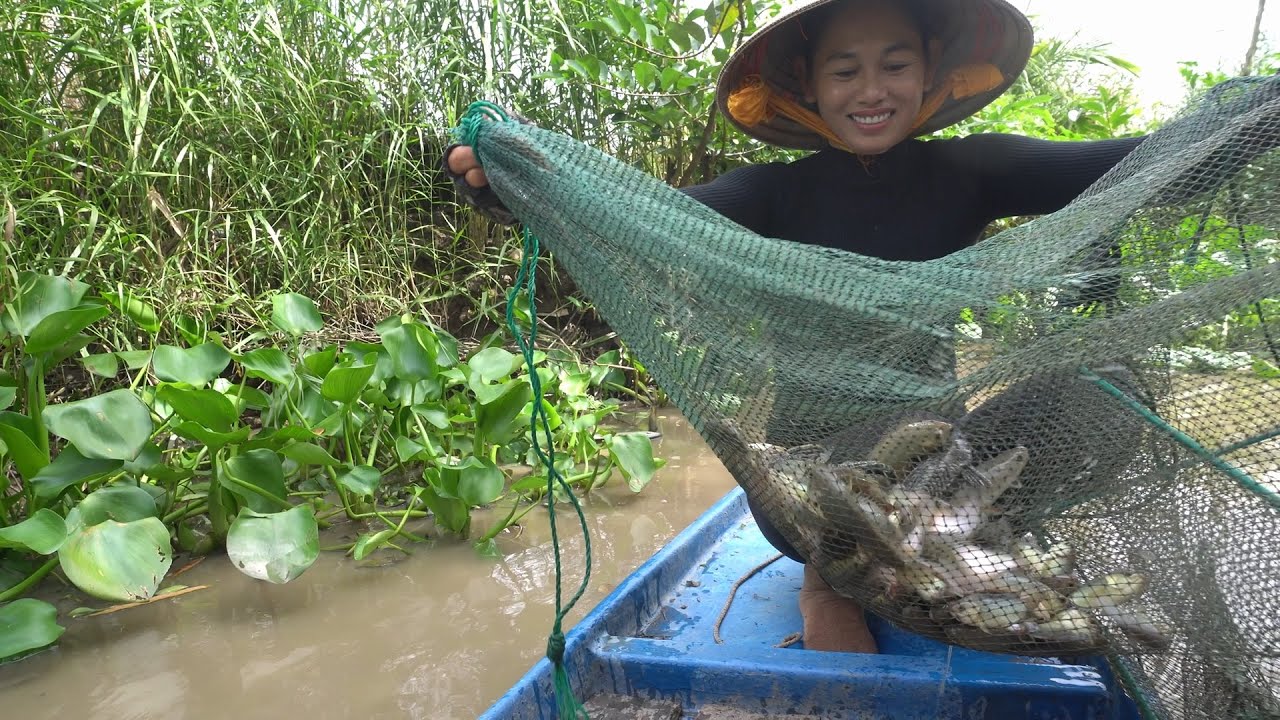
(845, 74)
(896, 67)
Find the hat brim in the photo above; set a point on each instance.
(971, 31)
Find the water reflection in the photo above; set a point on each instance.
(440, 634)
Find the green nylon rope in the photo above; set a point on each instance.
(567, 705)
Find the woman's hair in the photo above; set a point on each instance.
(922, 13)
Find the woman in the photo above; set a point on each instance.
(858, 81)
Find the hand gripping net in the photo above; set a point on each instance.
(1061, 441)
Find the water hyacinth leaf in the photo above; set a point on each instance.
(575, 384)
(19, 447)
(446, 349)
(66, 350)
(38, 297)
(498, 420)
(196, 366)
(553, 417)
(450, 513)
(193, 330)
(412, 349)
(530, 483)
(295, 314)
(118, 561)
(257, 477)
(26, 625)
(208, 407)
(321, 362)
(305, 453)
(363, 480)
(408, 450)
(604, 373)
(633, 454)
(435, 415)
(201, 434)
(242, 396)
(150, 457)
(103, 364)
(344, 384)
(68, 469)
(42, 533)
(59, 328)
(121, 502)
(134, 359)
(7, 395)
(493, 364)
(276, 547)
(479, 482)
(268, 364)
(141, 313)
(370, 542)
(113, 426)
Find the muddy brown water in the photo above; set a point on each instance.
(440, 634)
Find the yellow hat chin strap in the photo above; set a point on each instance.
(754, 102)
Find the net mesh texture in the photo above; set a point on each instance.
(1063, 440)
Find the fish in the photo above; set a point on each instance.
(1138, 626)
(926, 581)
(1043, 601)
(968, 568)
(1110, 589)
(989, 612)
(909, 440)
(942, 473)
(1058, 562)
(1072, 625)
(1000, 473)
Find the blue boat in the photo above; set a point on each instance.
(649, 650)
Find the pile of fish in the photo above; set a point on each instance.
(913, 531)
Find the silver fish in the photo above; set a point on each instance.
(1042, 601)
(908, 441)
(1111, 589)
(1072, 625)
(1138, 626)
(1001, 473)
(1058, 562)
(989, 612)
(966, 567)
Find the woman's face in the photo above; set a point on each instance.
(869, 74)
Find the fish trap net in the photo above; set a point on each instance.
(1061, 441)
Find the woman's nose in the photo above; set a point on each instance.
(871, 88)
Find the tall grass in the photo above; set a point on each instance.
(207, 152)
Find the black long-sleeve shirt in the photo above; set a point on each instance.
(921, 200)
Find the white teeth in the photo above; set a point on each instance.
(870, 120)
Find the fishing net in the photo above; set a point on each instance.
(1060, 441)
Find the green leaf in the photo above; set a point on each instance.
(38, 297)
(208, 407)
(147, 459)
(275, 547)
(633, 454)
(413, 351)
(193, 330)
(7, 395)
(141, 313)
(242, 396)
(269, 364)
(451, 513)
(435, 415)
(26, 625)
(408, 450)
(362, 480)
(215, 440)
(120, 502)
(497, 420)
(344, 384)
(369, 542)
(43, 533)
(105, 365)
(646, 73)
(25, 454)
(134, 359)
(305, 453)
(487, 548)
(196, 366)
(118, 561)
(69, 468)
(295, 314)
(257, 477)
(112, 426)
(493, 364)
(480, 482)
(446, 349)
(59, 328)
(321, 362)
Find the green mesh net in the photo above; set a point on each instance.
(1063, 440)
